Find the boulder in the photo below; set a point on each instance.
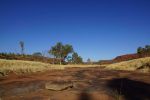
(58, 86)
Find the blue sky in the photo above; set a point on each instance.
(97, 29)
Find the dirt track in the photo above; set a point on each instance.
(88, 84)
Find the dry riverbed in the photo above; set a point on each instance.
(76, 84)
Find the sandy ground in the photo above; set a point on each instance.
(88, 84)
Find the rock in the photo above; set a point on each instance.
(1, 75)
(58, 86)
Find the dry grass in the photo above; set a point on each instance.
(142, 64)
(80, 66)
(22, 67)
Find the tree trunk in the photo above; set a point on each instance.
(53, 60)
(60, 62)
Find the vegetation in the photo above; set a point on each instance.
(28, 67)
(89, 61)
(141, 53)
(144, 51)
(61, 51)
(142, 64)
(21, 43)
(24, 67)
(38, 54)
(65, 54)
(104, 62)
(34, 57)
(76, 59)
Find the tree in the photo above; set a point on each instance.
(21, 43)
(61, 51)
(147, 48)
(79, 60)
(66, 50)
(76, 59)
(89, 61)
(39, 54)
(139, 50)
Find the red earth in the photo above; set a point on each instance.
(88, 84)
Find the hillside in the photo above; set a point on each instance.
(26, 57)
(125, 57)
(142, 64)
(130, 57)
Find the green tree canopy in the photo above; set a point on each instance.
(76, 59)
(139, 50)
(147, 47)
(61, 51)
(145, 50)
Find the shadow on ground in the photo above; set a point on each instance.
(84, 96)
(130, 89)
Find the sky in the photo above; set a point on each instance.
(97, 29)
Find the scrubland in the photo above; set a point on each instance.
(142, 64)
(22, 67)
(27, 67)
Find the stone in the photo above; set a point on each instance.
(58, 86)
